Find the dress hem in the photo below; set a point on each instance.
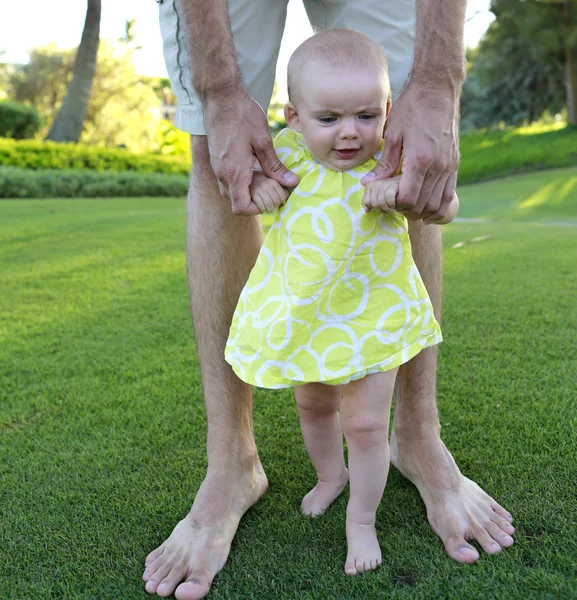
(399, 358)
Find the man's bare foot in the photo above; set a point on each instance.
(323, 495)
(364, 552)
(198, 547)
(457, 508)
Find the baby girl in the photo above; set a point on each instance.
(335, 303)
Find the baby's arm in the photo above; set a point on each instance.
(266, 193)
(381, 195)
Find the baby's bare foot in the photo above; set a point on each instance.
(364, 552)
(323, 495)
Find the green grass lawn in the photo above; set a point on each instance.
(541, 196)
(492, 154)
(102, 427)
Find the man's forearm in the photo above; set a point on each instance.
(439, 46)
(211, 46)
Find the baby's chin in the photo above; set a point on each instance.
(344, 164)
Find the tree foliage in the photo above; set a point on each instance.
(518, 71)
(124, 109)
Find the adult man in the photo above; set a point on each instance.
(229, 69)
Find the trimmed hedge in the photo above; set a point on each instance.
(25, 183)
(18, 121)
(51, 155)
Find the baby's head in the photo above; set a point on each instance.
(339, 97)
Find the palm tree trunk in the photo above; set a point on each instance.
(571, 87)
(570, 69)
(67, 125)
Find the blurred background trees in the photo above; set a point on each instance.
(523, 70)
(524, 67)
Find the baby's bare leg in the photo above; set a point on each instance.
(365, 414)
(318, 407)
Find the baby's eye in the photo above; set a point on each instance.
(327, 119)
(367, 117)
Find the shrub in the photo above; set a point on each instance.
(18, 121)
(25, 183)
(50, 155)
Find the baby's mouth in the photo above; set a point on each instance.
(346, 153)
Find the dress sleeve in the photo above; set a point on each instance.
(290, 148)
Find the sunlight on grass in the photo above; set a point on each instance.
(554, 193)
(537, 128)
(540, 196)
(565, 190)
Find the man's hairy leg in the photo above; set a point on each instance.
(457, 508)
(221, 249)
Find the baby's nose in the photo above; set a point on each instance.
(348, 129)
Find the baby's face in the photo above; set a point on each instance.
(340, 114)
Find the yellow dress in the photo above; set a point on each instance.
(334, 294)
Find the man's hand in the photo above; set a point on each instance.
(237, 132)
(381, 195)
(267, 194)
(422, 131)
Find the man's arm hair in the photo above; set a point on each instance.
(439, 47)
(210, 46)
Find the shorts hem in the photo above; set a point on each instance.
(189, 119)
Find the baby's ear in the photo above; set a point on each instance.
(292, 117)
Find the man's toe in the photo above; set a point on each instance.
(193, 588)
(156, 578)
(499, 535)
(489, 545)
(153, 556)
(502, 512)
(460, 550)
(503, 524)
(167, 586)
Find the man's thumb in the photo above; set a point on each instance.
(387, 166)
(274, 169)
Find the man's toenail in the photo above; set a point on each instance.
(465, 550)
(495, 547)
(508, 538)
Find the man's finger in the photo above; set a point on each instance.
(389, 163)
(446, 198)
(222, 189)
(409, 187)
(238, 189)
(433, 200)
(270, 163)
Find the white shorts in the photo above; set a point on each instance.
(257, 28)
